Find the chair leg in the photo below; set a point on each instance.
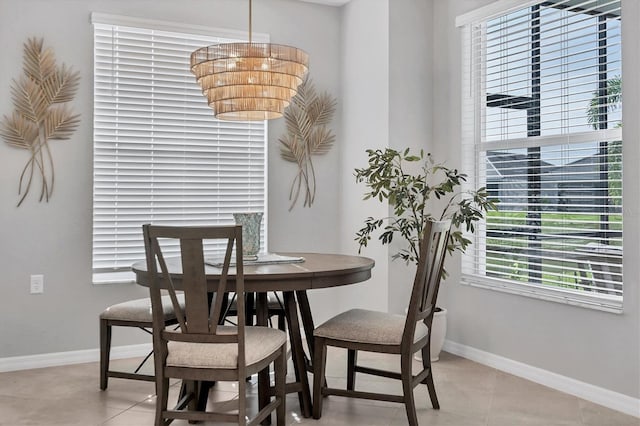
(352, 358)
(201, 394)
(162, 400)
(242, 402)
(426, 364)
(192, 388)
(319, 364)
(407, 388)
(262, 317)
(194, 401)
(280, 368)
(432, 391)
(105, 352)
(263, 390)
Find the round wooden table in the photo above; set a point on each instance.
(293, 279)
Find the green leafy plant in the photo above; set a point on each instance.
(409, 195)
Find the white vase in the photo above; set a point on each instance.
(438, 333)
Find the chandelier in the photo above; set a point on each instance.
(249, 81)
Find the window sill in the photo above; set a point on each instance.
(122, 277)
(606, 303)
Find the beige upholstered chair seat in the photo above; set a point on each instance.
(139, 310)
(363, 326)
(260, 343)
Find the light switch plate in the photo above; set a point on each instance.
(37, 284)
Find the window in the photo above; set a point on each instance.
(542, 114)
(159, 154)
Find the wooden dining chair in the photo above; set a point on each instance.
(132, 313)
(202, 350)
(372, 331)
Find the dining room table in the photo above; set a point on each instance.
(303, 272)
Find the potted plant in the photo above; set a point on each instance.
(414, 197)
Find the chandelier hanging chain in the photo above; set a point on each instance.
(250, 20)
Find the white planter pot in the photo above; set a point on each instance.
(438, 333)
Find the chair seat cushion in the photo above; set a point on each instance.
(363, 326)
(140, 310)
(260, 343)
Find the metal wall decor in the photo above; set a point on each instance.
(41, 113)
(307, 119)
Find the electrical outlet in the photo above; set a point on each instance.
(37, 284)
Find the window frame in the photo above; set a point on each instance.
(473, 103)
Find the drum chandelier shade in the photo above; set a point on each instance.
(249, 81)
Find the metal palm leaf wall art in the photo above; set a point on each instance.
(41, 113)
(307, 119)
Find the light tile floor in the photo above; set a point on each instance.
(470, 394)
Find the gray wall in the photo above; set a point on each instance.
(410, 109)
(54, 238)
(587, 345)
(365, 79)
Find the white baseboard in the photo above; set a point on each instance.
(610, 399)
(73, 357)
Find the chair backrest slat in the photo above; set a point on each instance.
(216, 306)
(194, 285)
(152, 246)
(433, 249)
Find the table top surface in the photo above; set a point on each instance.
(319, 270)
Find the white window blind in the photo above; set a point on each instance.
(159, 155)
(542, 107)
